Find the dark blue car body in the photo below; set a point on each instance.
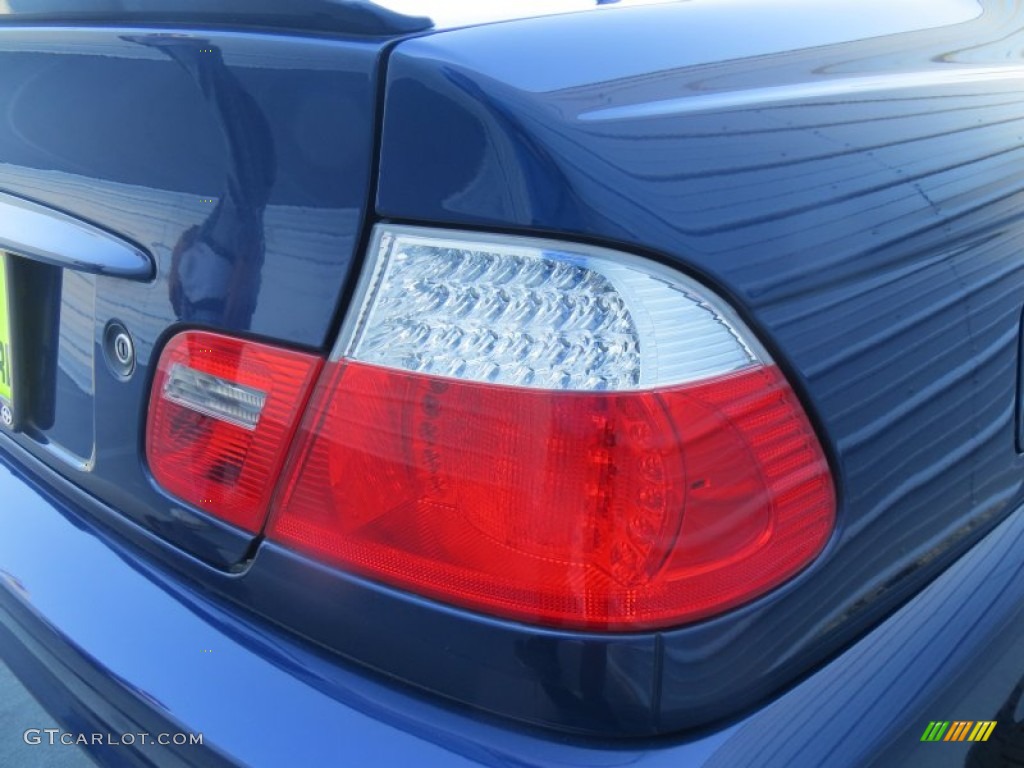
(849, 175)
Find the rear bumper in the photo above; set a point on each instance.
(112, 643)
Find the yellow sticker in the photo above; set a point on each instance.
(6, 379)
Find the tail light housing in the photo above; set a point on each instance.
(559, 435)
(222, 413)
(555, 434)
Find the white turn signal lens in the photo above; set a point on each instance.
(538, 314)
(214, 396)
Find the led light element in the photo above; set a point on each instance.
(555, 434)
(539, 317)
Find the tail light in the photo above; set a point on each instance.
(222, 414)
(559, 435)
(565, 436)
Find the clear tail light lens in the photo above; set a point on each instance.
(566, 436)
(222, 414)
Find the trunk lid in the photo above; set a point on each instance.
(235, 167)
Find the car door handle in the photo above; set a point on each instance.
(43, 234)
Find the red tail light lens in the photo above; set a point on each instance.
(221, 416)
(579, 440)
(588, 510)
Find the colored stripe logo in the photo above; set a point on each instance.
(958, 730)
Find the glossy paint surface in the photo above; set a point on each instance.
(238, 164)
(55, 238)
(446, 14)
(859, 201)
(262, 698)
(352, 17)
(850, 180)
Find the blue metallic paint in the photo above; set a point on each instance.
(348, 17)
(248, 150)
(127, 639)
(856, 200)
(55, 238)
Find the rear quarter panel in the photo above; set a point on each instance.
(850, 174)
